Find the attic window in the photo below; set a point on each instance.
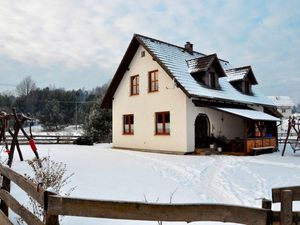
(212, 82)
(247, 87)
(143, 53)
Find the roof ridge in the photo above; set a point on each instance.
(177, 46)
(239, 68)
(205, 56)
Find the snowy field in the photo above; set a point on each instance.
(105, 173)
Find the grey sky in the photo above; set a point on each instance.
(75, 44)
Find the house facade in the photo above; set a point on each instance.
(284, 105)
(172, 99)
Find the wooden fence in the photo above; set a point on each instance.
(47, 139)
(55, 205)
(282, 137)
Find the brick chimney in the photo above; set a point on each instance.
(189, 47)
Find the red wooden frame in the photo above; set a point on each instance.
(126, 118)
(164, 129)
(134, 85)
(153, 81)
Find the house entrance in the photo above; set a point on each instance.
(202, 131)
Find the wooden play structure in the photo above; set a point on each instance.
(294, 125)
(12, 123)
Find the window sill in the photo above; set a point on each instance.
(128, 133)
(162, 134)
(154, 91)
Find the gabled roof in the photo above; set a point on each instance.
(240, 73)
(173, 59)
(203, 63)
(283, 101)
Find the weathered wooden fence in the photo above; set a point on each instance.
(47, 139)
(55, 205)
(282, 137)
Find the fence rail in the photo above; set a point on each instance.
(47, 139)
(55, 205)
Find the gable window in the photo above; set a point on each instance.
(153, 81)
(162, 123)
(134, 85)
(128, 124)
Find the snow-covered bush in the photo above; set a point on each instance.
(50, 175)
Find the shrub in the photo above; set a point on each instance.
(84, 140)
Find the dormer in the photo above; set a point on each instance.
(242, 78)
(206, 70)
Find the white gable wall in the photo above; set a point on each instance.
(144, 106)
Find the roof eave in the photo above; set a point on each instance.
(131, 50)
(163, 66)
(230, 101)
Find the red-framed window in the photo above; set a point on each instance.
(162, 123)
(153, 81)
(128, 124)
(134, 85)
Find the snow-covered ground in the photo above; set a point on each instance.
(105, 173)
(69, 130)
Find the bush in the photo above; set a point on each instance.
(50, 175)
(84, 140)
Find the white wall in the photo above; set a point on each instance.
(285, 111)
(144, 106)
(231, 126)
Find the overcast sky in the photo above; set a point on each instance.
(79, 43)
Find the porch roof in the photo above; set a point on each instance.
(249, 114)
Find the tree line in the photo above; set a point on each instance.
(56, 108)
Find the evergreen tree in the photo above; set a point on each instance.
(99, 124)
(51, 117)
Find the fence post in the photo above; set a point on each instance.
(286, 213)
(5, 186)
(267, 204)
(49, 219)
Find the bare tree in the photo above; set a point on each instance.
(25, 86)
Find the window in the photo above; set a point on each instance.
(247, 87)
(134, 85)
(153, 81)
(260, 129)
(212, 80)
(128, 124)
(162, 123)
(143, 53)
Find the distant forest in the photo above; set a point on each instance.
(53, 108)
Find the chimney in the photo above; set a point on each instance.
(189, 47)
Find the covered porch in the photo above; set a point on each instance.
(259, 133)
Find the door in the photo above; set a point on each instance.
(202, 131)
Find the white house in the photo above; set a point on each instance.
(284, 105)
(173, 99)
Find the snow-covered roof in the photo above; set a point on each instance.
(283, 101)
(240, 73)
(234, 74)
(202, 64)
(175, 58)
(250, 114)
